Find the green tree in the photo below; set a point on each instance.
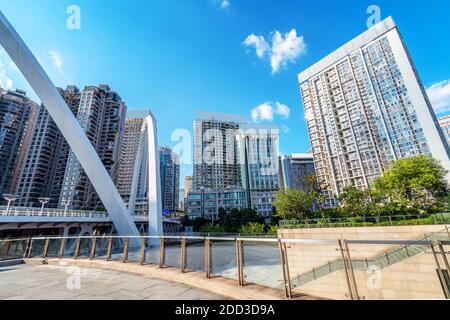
(236, 218)
(416, 183)
(293, 204)
(212, 228)
(354, 201)
(252, 228)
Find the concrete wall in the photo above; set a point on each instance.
(412, 278)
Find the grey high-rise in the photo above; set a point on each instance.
(17, 121)
(170, 179)
(365, 106)
(295, 169)
(215, 165)
(102, 115)
(43, 171)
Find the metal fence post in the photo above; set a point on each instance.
(92, 251)
(162, 252)
(208, 258)
(142, 261)
(125, 251)
(347, 277)
(440, 273)
(183, 255)
(352, 274)
(30, 248)
(61, 248)
(240, 262)
(45, 251)
(444, 256)
(77, 249)
(108, 249)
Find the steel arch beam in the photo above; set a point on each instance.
(68, 125)
(147, 168)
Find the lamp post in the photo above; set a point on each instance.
(43, 201)
(66, 203)
(10, 198)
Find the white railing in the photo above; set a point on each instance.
(49, 212)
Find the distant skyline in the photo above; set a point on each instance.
(233, 56)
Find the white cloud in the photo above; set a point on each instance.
(56, 60)
(268, 110)
(223, 4)
(260, 44)
(263, 112)
(5, 81)
(285, 48)
(285, 128)
(282, 110)
(439, 94)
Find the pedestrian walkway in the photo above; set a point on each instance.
(50, 282)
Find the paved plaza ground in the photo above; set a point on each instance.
(28, 282)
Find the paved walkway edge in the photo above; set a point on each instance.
(222, 286)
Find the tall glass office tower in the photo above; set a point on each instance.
(365, 106)
(257, 154)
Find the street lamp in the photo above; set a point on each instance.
(43, 201)
(10, 198)
(66, 203)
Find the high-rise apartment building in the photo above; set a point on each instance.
(365, 106)
(444, 122)
(102, 116)
(132, 138)
(170, 179)
(257, 154)
(17, 121)
(188, 186)
(215, 150)
(42, 173)
(294, 170)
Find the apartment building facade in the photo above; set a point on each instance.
(42, 173)
(257, 154)
(101, 114)
(170, 179)
(17, 121)
(294, 170)
(365, 106)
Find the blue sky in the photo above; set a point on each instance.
(179, 56)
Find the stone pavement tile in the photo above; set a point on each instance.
(86, 297)
(8, 287)
(96, 290)
(125, 295)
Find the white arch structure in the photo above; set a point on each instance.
(77, 139)
(147, 170)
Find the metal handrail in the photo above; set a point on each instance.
(27, 249)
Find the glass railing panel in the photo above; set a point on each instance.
(223, 259)
(173, 253)
(262, 264)
(117, 246)
(316, 268)
(69, 247)
(152, 251)
(395, 273)
(85, 248)
(134, 250)
(37, 248)
(101, 248)
(195, 255)
(54, 245)
(12, 249)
